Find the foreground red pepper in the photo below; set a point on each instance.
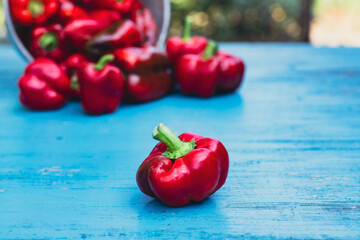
(198, 74)
(176, 46)
(33, 12)
(43, 86)
(120, 34)
(101, 86)
(148, 73)
(49, 42)
(183, 169)
(80, 31)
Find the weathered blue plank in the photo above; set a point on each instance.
(293, 135)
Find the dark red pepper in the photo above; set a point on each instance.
(122, 6)
(231, 72)
(198, 74)
(176, 46)
(49, 42)
(68, 11)
(148, 73)
(43, 86)
(70, 67)
(101, 86)
(33, 12)
(183, 169)
(80, 31)
(120, 34)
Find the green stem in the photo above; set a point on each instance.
(74, 82)
(176, 148)
(103, 61)
(48, 41)
(187, 28)
(210, 50)
(36, 8)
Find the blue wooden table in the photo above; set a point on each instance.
(292, 132)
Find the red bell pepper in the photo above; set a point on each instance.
(134, 10)
(183, 169)
(211, 72)
(231, 72)
(122, 6)
(80, 31)
(101, 86)
(33, 12)
(68, 11)
(198, 74)
(176, 46)
(49, 42)
(148, 73)
(151, 30)
(70, 67)
(105, 16)
(120, 34)
(146, 24)
(43, 86)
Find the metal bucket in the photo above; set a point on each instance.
(159, 8)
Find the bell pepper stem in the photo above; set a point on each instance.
(74, 82)
(210, 49)
(36, 8)
(176, 148)
(48, 41)
(187, 28)
(103, 61)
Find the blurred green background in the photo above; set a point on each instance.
(241, 20)
(266, 20)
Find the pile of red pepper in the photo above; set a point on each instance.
(102, 52)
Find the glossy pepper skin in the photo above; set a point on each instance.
(183, 169)
(231, 72)
(70, 67)
(177, 46)
(120, 34)
(101, 86)
(80, 31)
(198, 74)
(43, 86)
(68, 11)
(49, 42)
(148, 73)
(33, 12)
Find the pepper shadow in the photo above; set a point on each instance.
(195, 220)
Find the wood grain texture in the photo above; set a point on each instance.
(292, 132)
